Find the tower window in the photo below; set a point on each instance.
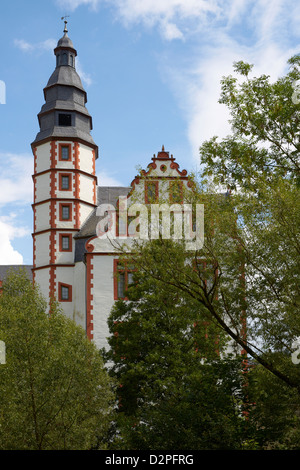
(64, 182)
(64, 119)
(65, 152)
(65, 212)
(65, 242)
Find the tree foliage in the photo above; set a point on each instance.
(251, 227)
(54, 391)
(175, 392)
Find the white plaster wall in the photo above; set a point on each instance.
(65, 164)
(65, 194)
(79, 294)
(85, 211)
(86, 158)
(42, 279)
(66, 276)
(103, 297)
(42, 184)
(86, 188)
(43, 157)
(42, 242)
(61, 224)
(64, 257)
(42, 216)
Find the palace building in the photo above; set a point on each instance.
(71, 263)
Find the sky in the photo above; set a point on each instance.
(152, 72)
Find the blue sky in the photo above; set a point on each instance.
(152, 71)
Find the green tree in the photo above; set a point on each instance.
(175, 391)
(54, 391)
(274, 415)
(250, 286)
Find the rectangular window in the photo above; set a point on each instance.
(123, 278)
(64, 182)
(65, 212)
(176, 192)
(151, 192)
(64, 292)
(65, 152)
(65, 242)
(121, 285)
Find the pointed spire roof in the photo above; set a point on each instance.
(64, 95)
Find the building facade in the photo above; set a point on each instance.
(71, 262)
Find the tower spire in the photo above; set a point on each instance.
(65, 21)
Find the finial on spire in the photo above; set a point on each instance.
(163, 148)
(65, 21)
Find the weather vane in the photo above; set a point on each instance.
(64, 18)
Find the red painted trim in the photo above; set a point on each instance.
(67, 139)
(56, 265)
(89, 296)
(63, 199)
(56, 229)
(74, 170)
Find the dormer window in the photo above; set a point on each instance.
(64, 119)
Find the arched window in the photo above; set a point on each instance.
(64, 59)
(71, 60)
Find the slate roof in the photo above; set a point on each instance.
(105, 195)
(64, 94)
(16, 267)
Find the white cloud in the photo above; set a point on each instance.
(85, 77)
(171, 31)
(106, 180)
(71, 5)
(16, 191)
(15, 179)
(47, 45)
(23, 45)
(9, 230)
(220, 32)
